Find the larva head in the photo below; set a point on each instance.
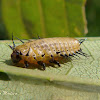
(19, 53)
(15, 56)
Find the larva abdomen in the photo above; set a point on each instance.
(46, 50)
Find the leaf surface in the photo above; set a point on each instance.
(79, 79)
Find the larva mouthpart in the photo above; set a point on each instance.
(45, 51)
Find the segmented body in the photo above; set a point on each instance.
(46, 50)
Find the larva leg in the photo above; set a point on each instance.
(81, 53)
(67, 56)
(42, 64)
(72, 55)
(54, 61)
(76, 55)
(26, 64)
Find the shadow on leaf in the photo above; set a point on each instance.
(8, 62)
(4, 76)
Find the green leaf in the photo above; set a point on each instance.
(78, 79)
(92, 9)
(11, 15)
(27, 18)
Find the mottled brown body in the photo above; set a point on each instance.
(46, 50)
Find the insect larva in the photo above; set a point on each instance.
(47, 50)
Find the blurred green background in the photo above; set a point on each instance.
(49, 18)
